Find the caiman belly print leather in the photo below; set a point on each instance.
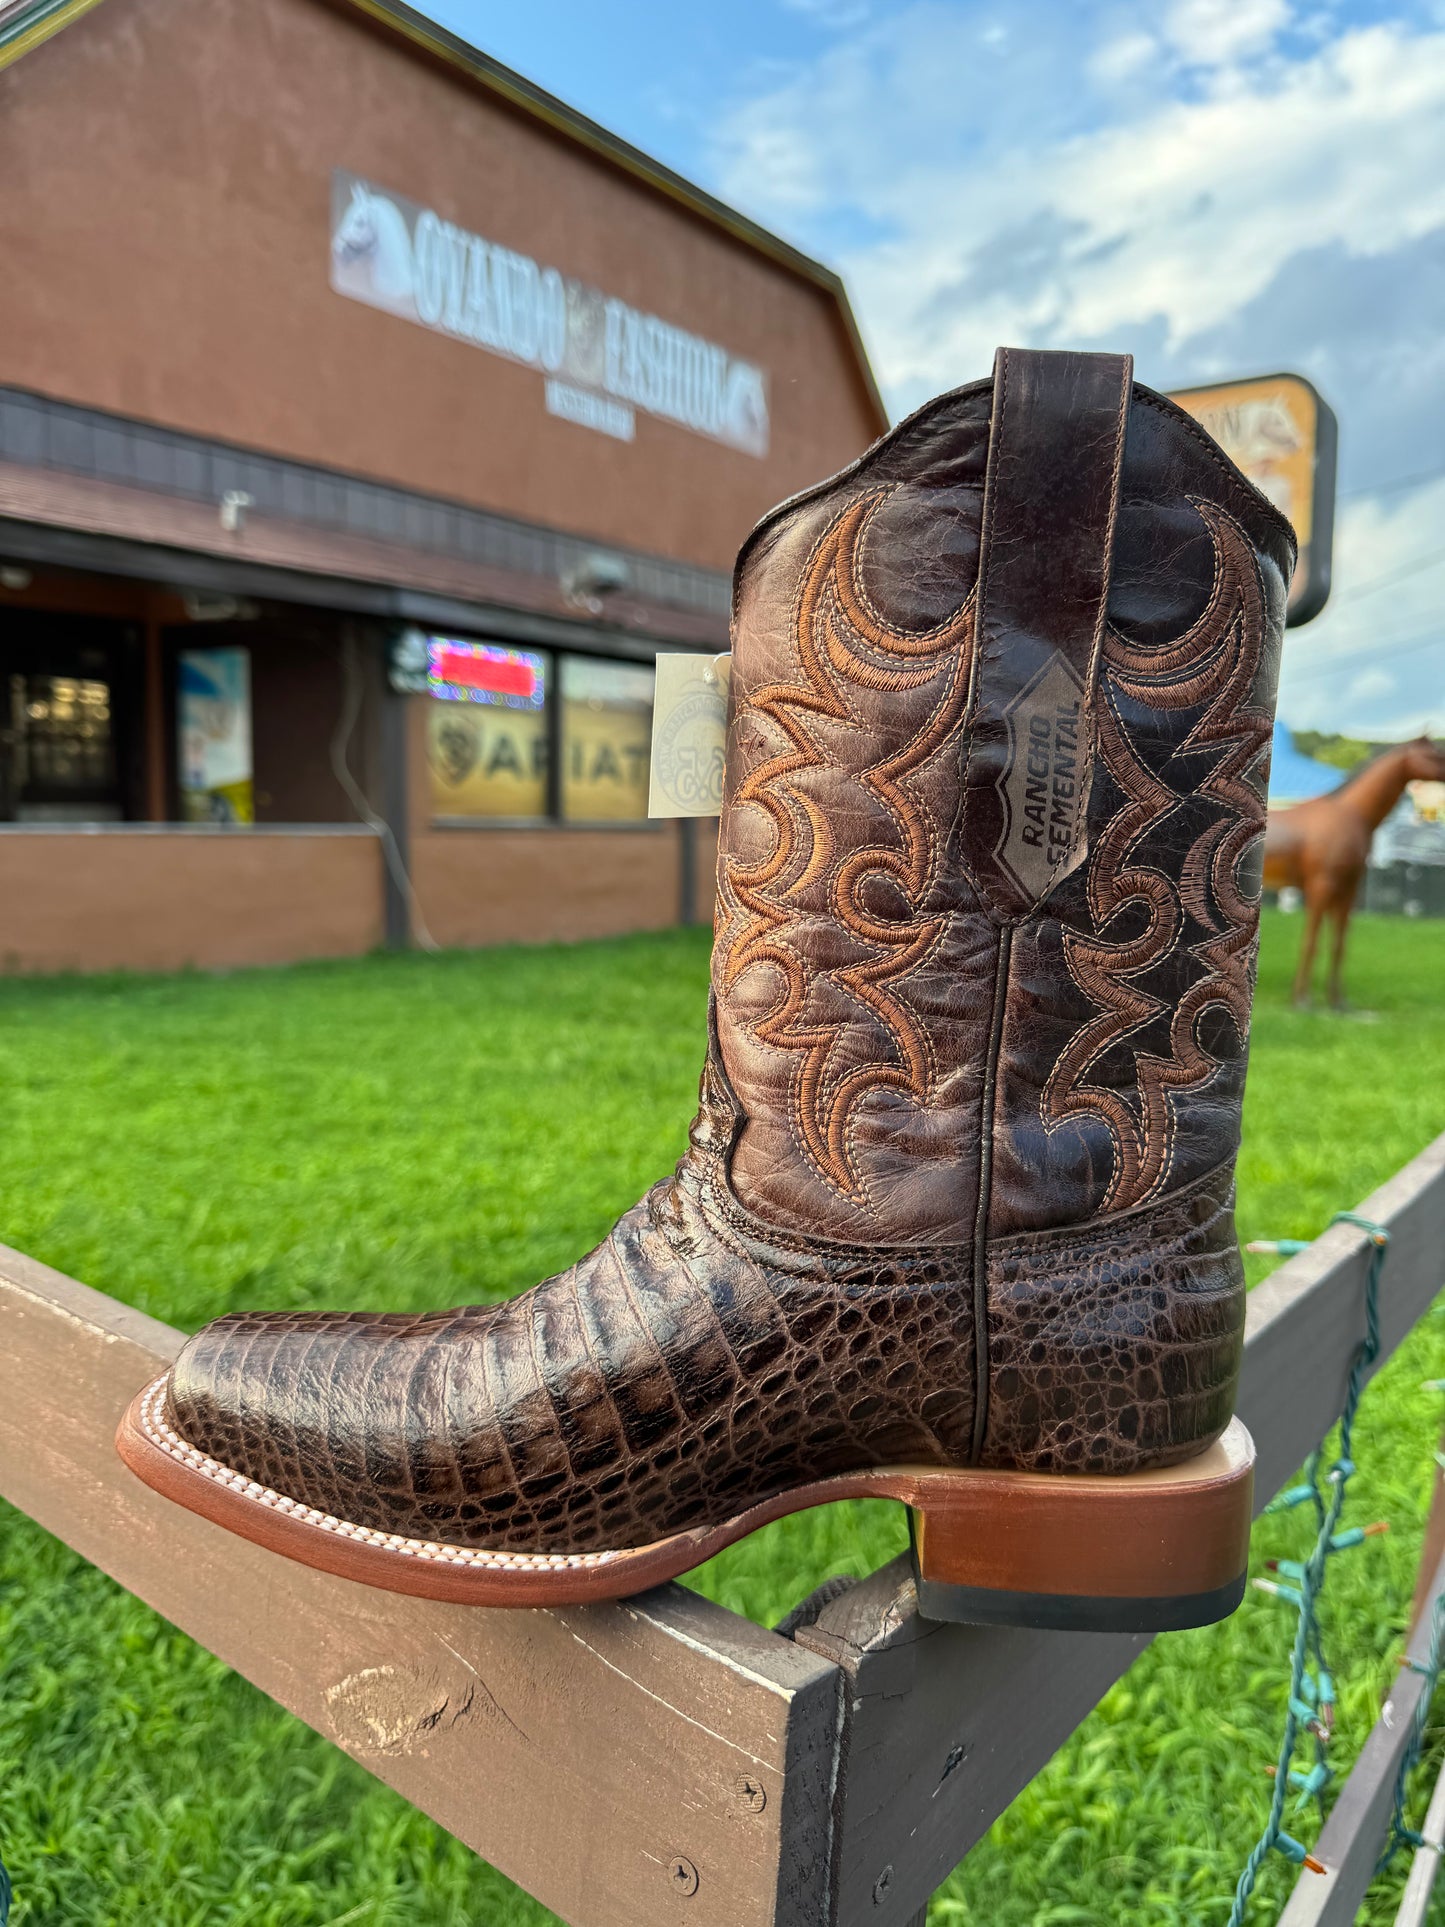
(959, 1188)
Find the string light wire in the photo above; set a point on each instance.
(1310, 1702)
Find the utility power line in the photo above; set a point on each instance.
(1392, 487)
(1416, 567)
(1373, 653)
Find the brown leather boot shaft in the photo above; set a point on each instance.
(912, 998)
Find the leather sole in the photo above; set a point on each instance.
(1139, 1552)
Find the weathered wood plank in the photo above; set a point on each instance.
(587, 1752)
(946, 1724)
(1352, 1837)
(1306, 1320)
(1420, 1882)
(1433, 1550)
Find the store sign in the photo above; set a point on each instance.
(602, 359)
(1283, 435)
(488, 763)
(487, 733)
(460, 671)
(213, 712)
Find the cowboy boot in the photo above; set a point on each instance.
(955, 1221)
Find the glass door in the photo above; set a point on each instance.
(64, 689)
(62, 749)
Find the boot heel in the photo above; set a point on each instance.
(1144, 1552)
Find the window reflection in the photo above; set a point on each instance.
(61, 735)
(606, 739)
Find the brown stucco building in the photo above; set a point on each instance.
(368, 423)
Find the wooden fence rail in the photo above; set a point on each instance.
(1351, 1838)
(659, 1761)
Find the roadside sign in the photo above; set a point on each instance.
(1284, 436)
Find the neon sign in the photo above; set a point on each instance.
(459, 671)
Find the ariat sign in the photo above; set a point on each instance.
(603, 359)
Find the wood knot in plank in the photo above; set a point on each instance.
(389, 1710)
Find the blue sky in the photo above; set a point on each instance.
(1221, 186)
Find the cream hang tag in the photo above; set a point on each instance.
(689, 735)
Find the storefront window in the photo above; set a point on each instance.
(487, 732)
(68, 687)
(64, 723)
(491, 728)
(606, 733)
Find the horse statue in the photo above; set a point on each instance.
(1320, 848)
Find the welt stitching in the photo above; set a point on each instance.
(175, 1447)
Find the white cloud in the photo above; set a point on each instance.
(837, 15)
(1213, 33)
(1374, 663)
(790, 164)
(1121, 60)
(1221, 185)
(1181, 213)
(1369, 684)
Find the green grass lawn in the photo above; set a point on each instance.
(406, 1132)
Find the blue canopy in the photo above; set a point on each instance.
(1293, 777)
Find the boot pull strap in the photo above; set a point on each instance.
(1056, 446)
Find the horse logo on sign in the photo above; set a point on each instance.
(371, 253)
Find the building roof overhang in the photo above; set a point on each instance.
(83, 489)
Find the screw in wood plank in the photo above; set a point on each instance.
(683, 1875)
(881, 1886)
(755, 1794)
